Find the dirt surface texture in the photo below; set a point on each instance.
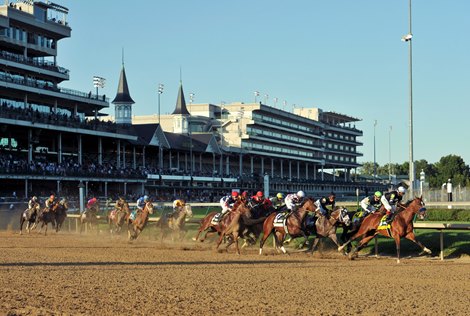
(69, 274)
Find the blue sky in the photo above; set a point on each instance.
(339, 55)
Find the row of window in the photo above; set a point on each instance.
(30, 38)
(278, 122)
(341, 147)
(341, 158)
(272, 134)
(278, 149)
(342, 136)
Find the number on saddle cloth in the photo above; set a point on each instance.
(383, 223)
(133, 215)
(358, 216)
(216, 219)
(279, 220)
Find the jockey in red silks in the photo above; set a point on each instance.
(92, 203)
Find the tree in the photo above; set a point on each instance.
(450, 167)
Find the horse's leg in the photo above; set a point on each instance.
(267, 230)
(235, 238)
(397, 243)
(21, 223)
(280, 241)
(361, 245)
(221, 237)
(315, 243)
(424, 250)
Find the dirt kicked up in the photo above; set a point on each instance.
(71, 274)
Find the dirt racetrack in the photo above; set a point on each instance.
(70, 274)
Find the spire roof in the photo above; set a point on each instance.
(123, 95)
(181, 103)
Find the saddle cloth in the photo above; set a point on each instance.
(358, 216)
(280, 220)
(216, 219)
(133, 215)
(383, 223)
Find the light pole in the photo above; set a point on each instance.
(191, 99)
(375, 166)
(160, 152)
(160, 91)
(256, 95)
(266, 97)
(222, 104)
(407, 38)
(98, 82)
(284, 105)
(275, 101)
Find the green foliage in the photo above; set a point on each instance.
(449, 167)
(446, 215)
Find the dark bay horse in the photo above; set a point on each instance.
(235, 228)
(46, 216)
(61, 214)
(29, 216)
(136, 226)
(116, 218)
(175, 224)
(90, 217)
(326, 227)
(401, 226)
(294, 224)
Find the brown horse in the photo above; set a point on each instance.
(136, 226)
(293, 224)
(401, 226)
(116, 218)
(326, 227)
(29, 216)
(207, 226)
(236, 226)
(176, 223)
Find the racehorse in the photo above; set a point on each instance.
(46, 216)
(90, 217)
(207, 226)
(61, 214)
(236, 227)
(29, 216)
(210, 228)
(137, 225)
(357, 217)
(326, 227)
(254, 225)
(293, 224)
(175, 223)
(116, 218)
(401, 226)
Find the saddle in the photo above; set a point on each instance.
(280, 219)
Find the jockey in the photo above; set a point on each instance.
(372, 203)
(228, 201)
(50, 202)
(278, 202)
(390, 201)
(322, 203)
(177, 206)
(141, 202)
(293, 201)
(244, 196)
(260, 204)
(119, 204)
(32, 203)
(92, 204)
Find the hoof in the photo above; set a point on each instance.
(194, 239)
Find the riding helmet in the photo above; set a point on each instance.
(378, 194)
